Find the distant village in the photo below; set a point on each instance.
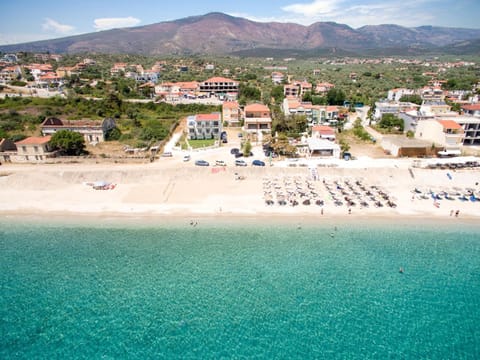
(434, 129)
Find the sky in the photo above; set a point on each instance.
(33, 20)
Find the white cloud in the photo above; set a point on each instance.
(112, 23)
(55, 26)
(316, 8)
(360, 13)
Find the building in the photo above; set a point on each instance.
(323, 148)
(231, 113)
(471, 109)
(433, 93)
(10, 73)
(91, 130)
(219, 86)
(413, 116)
(277, 77)
(446, 133)
(397, 94)
(33, 150)
(323, 132)
(7, 150)
(257, 118)
(470, 126)
(323, 88)
(392, 107)
(297, 88)
(204, 126)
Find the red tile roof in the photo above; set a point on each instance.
(257, 108)
(207, 117)
(449, 124)
(324, 129)
(34, 140)
(219, 79)
(471, 107)
(230, 104)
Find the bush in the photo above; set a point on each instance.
(68, 142)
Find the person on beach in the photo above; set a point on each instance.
(457, 212)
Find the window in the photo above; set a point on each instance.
(35, 148)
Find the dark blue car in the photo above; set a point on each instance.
(258, 163)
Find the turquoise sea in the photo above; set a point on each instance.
(239, 290)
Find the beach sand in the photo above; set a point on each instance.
(165, 189)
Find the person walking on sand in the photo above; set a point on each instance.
(457, 212)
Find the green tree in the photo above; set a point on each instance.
(390, 123)
(335, 97)
(416, 99)
(277, 93)
(68, 142)
(247, 148)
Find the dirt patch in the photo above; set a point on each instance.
(359, 148)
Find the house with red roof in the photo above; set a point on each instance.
(446, 133)
(34, 149)
(257, 118)
(204, 126)
(323, 132)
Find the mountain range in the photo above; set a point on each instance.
(221, 34)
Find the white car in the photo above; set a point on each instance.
(186, 158)
(220, 163)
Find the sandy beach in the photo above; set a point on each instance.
(171, 188)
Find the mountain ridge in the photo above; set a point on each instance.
(221, 34)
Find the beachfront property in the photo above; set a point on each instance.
(91, 130)
(257, 118)
(315, 114)
(323, 132)
(34, 149)
(470, 126)
(231, 113)
(318, 147)
(204, 126)
(446, 133)
(7, 150)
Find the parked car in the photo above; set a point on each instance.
(239, 154)
(240, 135)
(202, 163)
(186, 158)
(220, 163)
(234, 151)
(258, 163)
(240, 163)
(167, 154)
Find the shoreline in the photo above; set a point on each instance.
(165, 191)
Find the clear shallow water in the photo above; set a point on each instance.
(275, 291)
